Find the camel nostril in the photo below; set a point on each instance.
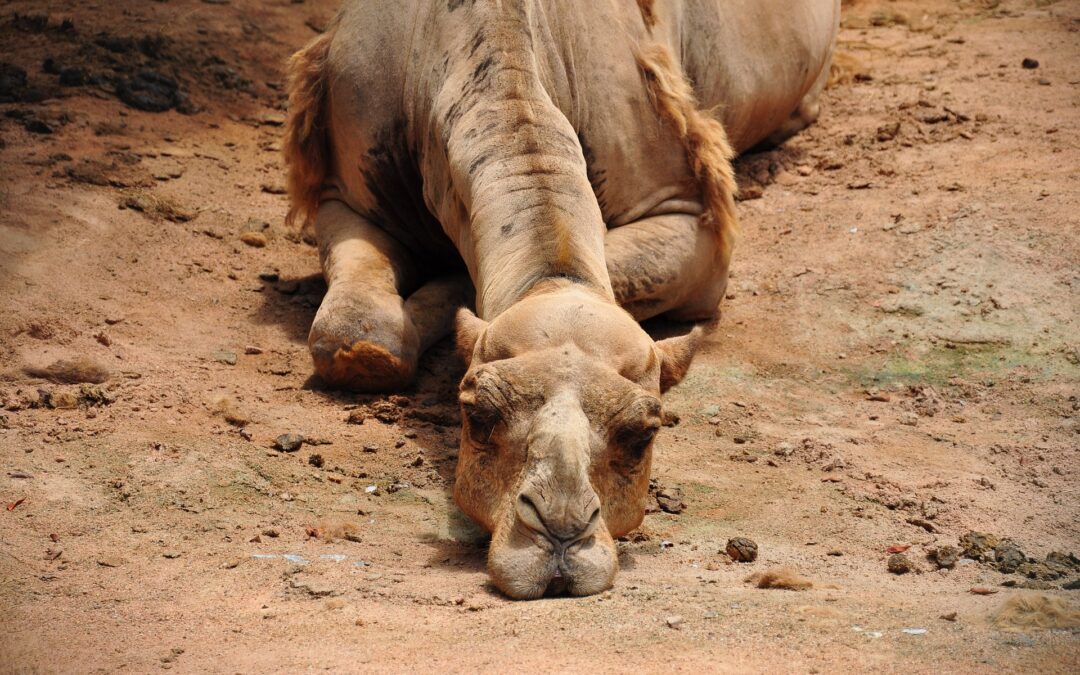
(530, 514)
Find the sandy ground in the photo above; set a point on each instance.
(897, 365)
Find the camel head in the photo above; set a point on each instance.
(560, 405)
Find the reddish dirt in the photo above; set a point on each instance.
(899, 346)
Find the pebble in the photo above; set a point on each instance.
(1029, 63)
(256, 239)
(288, 442)
(741, 549)
(899, 564)
(674, 621)
(945, 557)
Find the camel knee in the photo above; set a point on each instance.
(363, 340)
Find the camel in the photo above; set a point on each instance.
(565, 169)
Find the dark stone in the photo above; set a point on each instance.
(288, 442)
(899, 564)
(741, 549)
(152, 91)
(36, 126)
(1030, 64)
(12, 82)
(72, 77)
(945, 557)
(670, 500)
(1008, 557)
(978, 545)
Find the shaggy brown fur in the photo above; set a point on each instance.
(1033, 611)
(306, 150)
(704, 138)
(780, 577)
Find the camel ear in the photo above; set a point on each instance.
(675, 356)
(469, 329)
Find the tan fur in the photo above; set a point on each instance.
(306, 149)
(780, 577)
(1034, 611)
(704, 138)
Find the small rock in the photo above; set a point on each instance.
(951, 616)
(670, 500)
(675, 621)
(252, 350)
(1008, 557)
(225, 356)
(256, 239)
(288, 442)
(983, 590)
(1029, 64)
(899, 564)
(171, 555)
(741, 549)
(978, 545)
(909, 419)
(316, 461)
(945, 557)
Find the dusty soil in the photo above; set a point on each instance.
(898, 364)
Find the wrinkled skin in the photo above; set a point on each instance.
(558, 423)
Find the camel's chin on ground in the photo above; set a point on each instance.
(526, 568)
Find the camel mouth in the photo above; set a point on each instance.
(524, 570)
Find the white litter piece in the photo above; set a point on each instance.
(915, 631)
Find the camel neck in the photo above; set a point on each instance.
(526, 211)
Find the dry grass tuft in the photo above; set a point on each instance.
(1035, 611)
(78, 370)
(780, 577)
(334, 530)
(226, 407)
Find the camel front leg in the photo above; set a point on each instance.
(366, 336)
(666, 264)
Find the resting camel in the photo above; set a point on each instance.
(564, 167)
